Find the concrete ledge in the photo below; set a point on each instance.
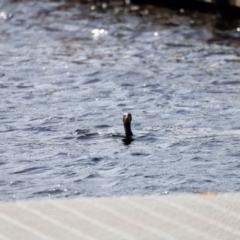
(189, 216)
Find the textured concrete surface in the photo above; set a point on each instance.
(190, 216)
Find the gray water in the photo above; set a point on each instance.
(68, 66)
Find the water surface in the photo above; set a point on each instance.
(68, 66)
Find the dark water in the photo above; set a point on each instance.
(66, 66)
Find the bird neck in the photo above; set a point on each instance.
(128, 131)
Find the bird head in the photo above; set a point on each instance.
(127, 117)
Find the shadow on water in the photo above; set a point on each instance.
(127, 141)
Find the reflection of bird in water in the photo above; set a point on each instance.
(127, 118)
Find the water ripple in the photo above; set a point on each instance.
(32, 170)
